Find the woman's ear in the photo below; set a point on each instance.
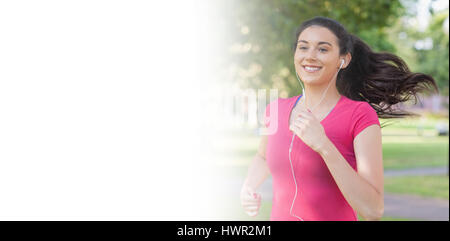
(347, 58)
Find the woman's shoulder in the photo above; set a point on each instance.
(288, 101)
(360, 110)
(356, 105)
(283, 102)
(361, 115)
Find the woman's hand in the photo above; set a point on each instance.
(308, 128)
(250, 200)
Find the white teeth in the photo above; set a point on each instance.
(311, 68)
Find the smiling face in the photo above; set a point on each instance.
(316, 57)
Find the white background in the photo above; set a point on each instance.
(100, 112)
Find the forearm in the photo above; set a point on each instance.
(360, 194)
(258, 171)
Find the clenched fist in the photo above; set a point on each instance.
(250, 200)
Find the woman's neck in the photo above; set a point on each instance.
(314, 95)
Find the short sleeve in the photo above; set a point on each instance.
(363, 116)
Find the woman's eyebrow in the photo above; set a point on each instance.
(304, 41)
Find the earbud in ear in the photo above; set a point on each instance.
(342, 63)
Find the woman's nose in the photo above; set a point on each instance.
(310, 54)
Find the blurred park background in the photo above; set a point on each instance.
(258, 55)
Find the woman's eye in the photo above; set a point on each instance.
(321, 49)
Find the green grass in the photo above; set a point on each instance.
(401, 152)
(426, 186)
(425, 122)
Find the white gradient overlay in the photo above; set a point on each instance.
(102, 110)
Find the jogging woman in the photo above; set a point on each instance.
(325, 158)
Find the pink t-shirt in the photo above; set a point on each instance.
(318, 196)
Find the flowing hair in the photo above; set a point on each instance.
(380, 78)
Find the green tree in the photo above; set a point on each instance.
(434, 60)
(262, 34)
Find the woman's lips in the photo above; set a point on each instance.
(311, 69)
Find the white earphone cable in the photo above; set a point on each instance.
(293, 137)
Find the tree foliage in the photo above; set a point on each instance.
(434, 61)
(424, 51)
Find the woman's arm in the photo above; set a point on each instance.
(257, 173)
(363, 190)
(258, 170)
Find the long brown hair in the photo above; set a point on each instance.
(370, 76)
